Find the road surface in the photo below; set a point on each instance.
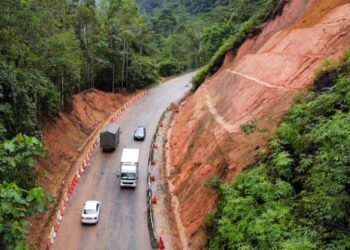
(123, 221)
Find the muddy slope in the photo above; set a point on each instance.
(65, 140)
(258, 83)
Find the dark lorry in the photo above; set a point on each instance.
(109, 137)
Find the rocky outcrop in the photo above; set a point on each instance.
(256, 84)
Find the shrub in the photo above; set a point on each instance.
(16, 205)
(169, 67)
(249, 127)
(18, 159)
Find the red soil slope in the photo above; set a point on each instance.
(66, 139)
(259, 82)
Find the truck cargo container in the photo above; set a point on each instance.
(109, 137)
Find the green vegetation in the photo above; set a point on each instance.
(16, 205)
(18, 159)
(190, 34)
(51, 50)
(297, 196)
(249, 127)
(177, 37)
(18, 201)
(193, 6)
(26, 98)
(219, 39)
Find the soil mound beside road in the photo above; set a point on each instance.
(65, 140)
(256, 84)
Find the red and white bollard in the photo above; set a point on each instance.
(161, 243)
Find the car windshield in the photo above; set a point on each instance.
(139, 130)
(89, 211)
(128, 176)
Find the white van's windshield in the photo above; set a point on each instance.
(128, 176)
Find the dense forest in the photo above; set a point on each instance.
(190, 34)
(298, 195)
(52, 50)
(192, 6)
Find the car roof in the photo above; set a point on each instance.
(91, 204)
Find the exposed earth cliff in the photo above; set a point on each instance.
(258, 83)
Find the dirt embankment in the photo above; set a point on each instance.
(259, 82)
(66, 139)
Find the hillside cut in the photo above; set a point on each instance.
(257, 84)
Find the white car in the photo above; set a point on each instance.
(91, 212)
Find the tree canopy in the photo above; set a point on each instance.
(51, 50)
(19, 196)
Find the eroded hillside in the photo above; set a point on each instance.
(66, 139)
(256, 84)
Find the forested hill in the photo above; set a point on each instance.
(193, 6)
(50, 50)
(149, 5)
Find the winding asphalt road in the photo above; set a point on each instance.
(123, 221)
